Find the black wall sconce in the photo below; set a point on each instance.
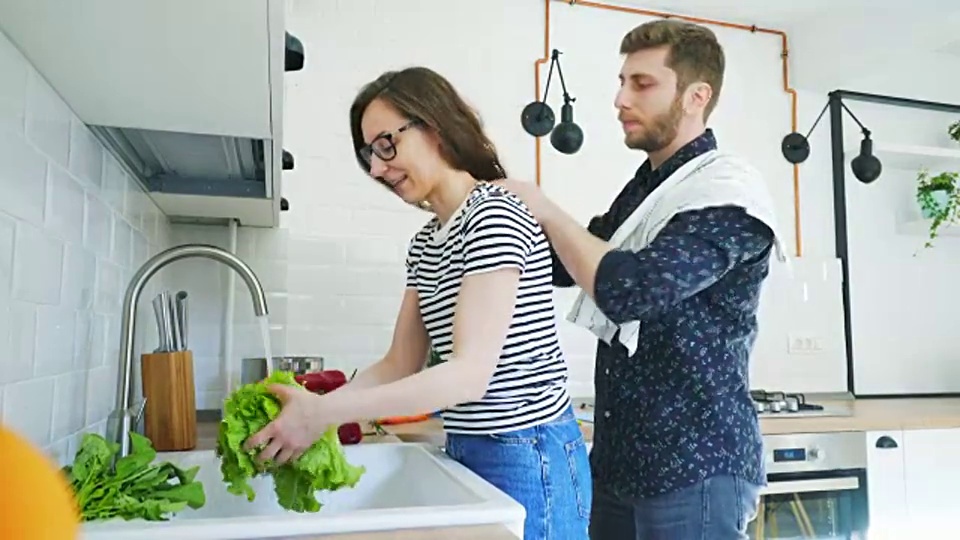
(866, 167)
(538, 119)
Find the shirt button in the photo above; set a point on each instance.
(606, 371)
(606, 414)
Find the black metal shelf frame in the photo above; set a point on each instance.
(836, 99)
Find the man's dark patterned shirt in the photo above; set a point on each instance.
(679, 410)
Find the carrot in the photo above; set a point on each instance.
(393, 420)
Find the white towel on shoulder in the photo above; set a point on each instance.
(708, 180)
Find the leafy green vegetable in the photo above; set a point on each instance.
(322, 467)
(135, 489)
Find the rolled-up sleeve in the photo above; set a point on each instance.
(599, 226)
(692, 251)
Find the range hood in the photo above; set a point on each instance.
(187, 95)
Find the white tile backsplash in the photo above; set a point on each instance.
(23, 174)
(86, 155)
(38, 266)
(13, 90)
(48, 120)
(66, 202)
(19, 365)
(7, 232)
(28, 409)
(68, 241)
(56, 333)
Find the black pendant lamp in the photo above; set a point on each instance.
(538, 119)
(866, 167)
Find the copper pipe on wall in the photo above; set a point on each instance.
(784, 56)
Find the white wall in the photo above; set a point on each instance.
(72, 226)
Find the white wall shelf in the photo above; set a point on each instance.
(921, 227)
(911, 157)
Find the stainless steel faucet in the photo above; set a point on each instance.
(126, 414)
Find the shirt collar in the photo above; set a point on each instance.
(650, 178)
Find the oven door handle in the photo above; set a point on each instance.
(811, 486)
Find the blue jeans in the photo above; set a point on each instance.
(719, 508)
(545, 468)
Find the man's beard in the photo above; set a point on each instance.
(658, 133)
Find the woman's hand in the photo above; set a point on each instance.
(300, 423)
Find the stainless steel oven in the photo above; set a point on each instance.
(816, 487)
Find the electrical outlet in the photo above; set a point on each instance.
(804, 344)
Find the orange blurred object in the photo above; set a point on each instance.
(36, 500)
(394, 420)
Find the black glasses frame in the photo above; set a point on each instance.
(385, 152)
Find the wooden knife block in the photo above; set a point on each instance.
(170, 415)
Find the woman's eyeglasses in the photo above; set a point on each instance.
(384, 146)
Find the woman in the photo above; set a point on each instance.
(478, 292)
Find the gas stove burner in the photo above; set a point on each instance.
(781, 402)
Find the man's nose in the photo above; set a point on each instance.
(620, 102)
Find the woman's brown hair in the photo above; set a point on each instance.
(420, 94)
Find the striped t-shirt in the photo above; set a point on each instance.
(493, 230)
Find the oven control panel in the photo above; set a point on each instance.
(793, 455)
(814, 451)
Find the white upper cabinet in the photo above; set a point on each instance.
(187, 93)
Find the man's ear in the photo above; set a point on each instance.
(698, 97)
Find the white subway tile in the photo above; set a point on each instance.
(83, 343)
(101, 392)
(272, 275)
(316, 251)
(28, 409)
(19, 365)
(108, 295)
(8, 372)
(98, 341)
(86, 155)
(59, 452)
(79, 277)
(56, 332)
(331, 343)
(115, 182)
(273, 245)
(99, 229)
(7, 235)
(370, 310)
(122, 242)
(38, 266)
(65, 205)
(70, 393)
(376, 251)
(13, 86)
(140, 250)
(48, 120)
(136, 204)
(23, 175)
(307, 310)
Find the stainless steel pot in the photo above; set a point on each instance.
(255, 369)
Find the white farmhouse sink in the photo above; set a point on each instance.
(406, 485)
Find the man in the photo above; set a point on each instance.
(672, 288)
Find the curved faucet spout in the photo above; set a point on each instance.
(121, 417)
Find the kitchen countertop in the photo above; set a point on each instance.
(874, 414)
(865, 415)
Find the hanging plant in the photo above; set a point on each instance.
(939, 200)
(954, 131)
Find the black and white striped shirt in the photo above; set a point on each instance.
(493, 230)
